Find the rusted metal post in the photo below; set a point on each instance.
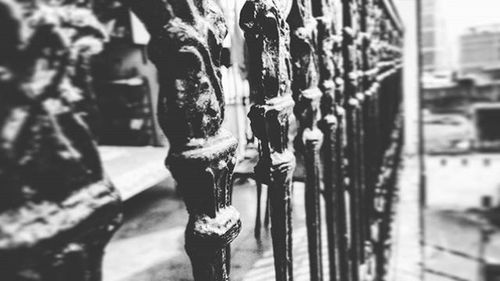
(186, 48)
(307, 96)
(57, 210)
(357, 75)
(267, 35)
(258, 215)
(352, 104)
(331, 124)
(368, 126)
(386, 91)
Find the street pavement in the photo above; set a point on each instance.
(150, 244)
(456, 186)
(452, 245)
(459, 182)
(406, 261)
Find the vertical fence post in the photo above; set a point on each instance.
(385, 43)
(377, 97)
(358, 27)
(307, 96)
(368, 125)
(331, 84)
(186, 48)
(267, 35)
(352, 106)
(57, 208)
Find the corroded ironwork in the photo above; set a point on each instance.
(307, 96)
(186, 48)
(268, 40)
(353, 134)
(371, 69)
(329, 25)
(339, 69)
(57, 210)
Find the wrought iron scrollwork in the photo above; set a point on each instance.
(268, 39)
(332, 124)
(186, 48)
(307, 96)
(58, 209)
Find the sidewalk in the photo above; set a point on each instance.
(406, 260)
(454, 219)
(150, 244)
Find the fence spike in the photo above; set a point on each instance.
(268, 41)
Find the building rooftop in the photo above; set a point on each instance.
(488, 28)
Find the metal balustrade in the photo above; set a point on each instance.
(335, 64)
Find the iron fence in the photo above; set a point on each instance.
(335, 64)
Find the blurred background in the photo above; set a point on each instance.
(460, 91)
(448, 214)
(456, 132)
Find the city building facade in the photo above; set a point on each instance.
(60, 208)
(435, 56)
(480, 52)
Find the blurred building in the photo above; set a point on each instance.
(458, 96)
(478, 77)
(436, 57)
(480, 52)
(127, 87)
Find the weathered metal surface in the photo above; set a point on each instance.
(329, 24)
(370, 51)
(382, 88)
(352, 107)
(57, 210)
(186, 48)
(268, 39)
(366, 127)
(342, 79)
(307, 96)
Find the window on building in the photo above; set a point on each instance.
(428, 39)
(428, 20)
(428, 59)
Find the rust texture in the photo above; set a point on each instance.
(351, 53)
(329, 26)
(57, 210)
(268, 39)
(385, 68)
(186, 48)
(336, 64)
(372, 73)
(368, 120)
(307, 96)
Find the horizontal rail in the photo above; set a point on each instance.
(445, 275)
(391, 9)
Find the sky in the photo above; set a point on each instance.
(460, 14)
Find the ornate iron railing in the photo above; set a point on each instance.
(335, 64)
(57, 208)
